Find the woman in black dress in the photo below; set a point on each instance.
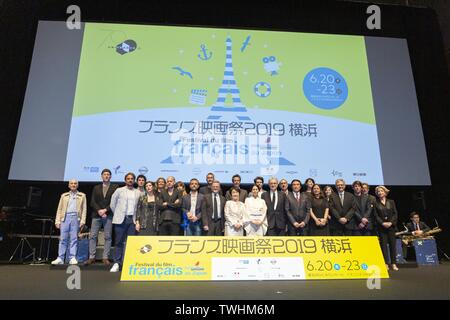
(386, 216)
(148, 212)
(309, 183)
(318, 223)
(328, 194)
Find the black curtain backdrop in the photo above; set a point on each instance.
(18, 24)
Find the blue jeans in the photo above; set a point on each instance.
(97, 224)
(122, 231)
(194, 229)
(69, 236)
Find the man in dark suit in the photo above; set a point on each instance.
(372, 200)
(276, 209)
(365, 190)
(364, 219)
(214, 215)
(236, 179)
(297, 209)
(210, 178)
(259, 182)
(170, 216)
(193, 206)
(101, 216)
(417, 227)
(342, 211)
(284, 186)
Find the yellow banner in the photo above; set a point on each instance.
(246, 258)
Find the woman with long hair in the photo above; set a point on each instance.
(309, 183)
(147, 215)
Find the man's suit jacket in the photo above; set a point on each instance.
(422, 225)
(98, 201)
(343, 211)
(171, 211)
(364, 209)
(64, 203)
(275, 217)
(119, 203)
(242, 195)
(298, 211)
(207, 217)
(199, 206)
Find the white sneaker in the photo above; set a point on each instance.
(73, 261)
(57, 261)
(115, 268)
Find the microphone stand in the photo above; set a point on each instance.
(439, 249)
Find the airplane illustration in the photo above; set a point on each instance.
(183, 72)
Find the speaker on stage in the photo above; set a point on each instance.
(34, 198)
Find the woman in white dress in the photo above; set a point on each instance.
(255, 219)
(234, 215)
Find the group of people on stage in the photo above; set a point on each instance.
(166, 208)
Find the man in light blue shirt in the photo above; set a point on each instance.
(70, 217)
(124, 205)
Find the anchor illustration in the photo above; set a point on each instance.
(205, 55)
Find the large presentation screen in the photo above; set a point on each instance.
(185, 101)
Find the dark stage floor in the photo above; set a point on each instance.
(44, 282)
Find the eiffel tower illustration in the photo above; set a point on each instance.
(229, 87)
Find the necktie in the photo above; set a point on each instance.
(215, 211)
(417, 227)
(342, 199)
